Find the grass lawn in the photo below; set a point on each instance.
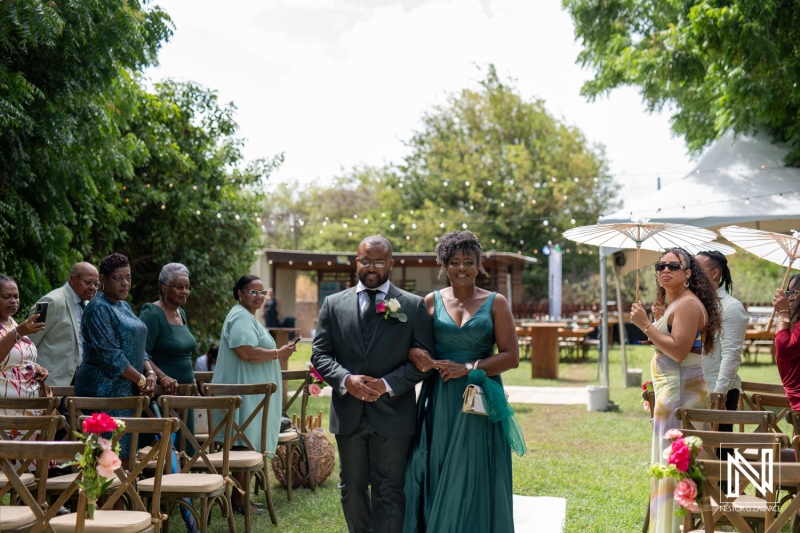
(597, 461)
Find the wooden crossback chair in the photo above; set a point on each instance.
(139, 517)
(752, 508)
(764, 402)
(28, 406)
(33, 516)
(250, 461)
(25, 429)
(85, 405)
(292, 439)
(752, 387)
(784, 474)
(690, 418)
(212, 486)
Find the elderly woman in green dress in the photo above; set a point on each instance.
(247, 354)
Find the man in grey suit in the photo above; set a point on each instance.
(362, 352)
(59, 345)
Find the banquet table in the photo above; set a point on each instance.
(544, 347)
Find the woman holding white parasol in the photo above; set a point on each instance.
(687, 328)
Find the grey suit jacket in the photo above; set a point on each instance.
(338, 349)
(57, 344)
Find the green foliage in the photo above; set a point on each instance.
(720, 64)
(59, 147)
(488, 161)
(188, 197)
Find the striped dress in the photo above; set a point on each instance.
(676, 385)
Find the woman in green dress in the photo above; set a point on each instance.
(170, 343)
(459, 471)
(247, 354)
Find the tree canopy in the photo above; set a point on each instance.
(93, 162)
(488, 161)
(719, 64)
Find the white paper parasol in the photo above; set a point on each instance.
(641, 233)
(776, 248)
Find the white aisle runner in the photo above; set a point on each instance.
(539, 514)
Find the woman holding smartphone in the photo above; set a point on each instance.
(20, 376)
(247, 354)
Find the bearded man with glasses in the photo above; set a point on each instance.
(361, 349)
(60, 343)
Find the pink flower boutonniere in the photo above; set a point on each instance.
(390, 308)
(317, 383)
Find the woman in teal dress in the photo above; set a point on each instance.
(459, 471)
(247, 354)
(170, 343)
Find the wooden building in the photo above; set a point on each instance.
(416, 272)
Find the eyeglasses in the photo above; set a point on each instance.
(673, 267)
(120, 279)
(793, 291)
(377, 263)
(180, 288)
(256, 293)
(88, 283)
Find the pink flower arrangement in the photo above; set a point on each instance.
(318, 382)
(380, 307)
(100, 458)
(682, 466)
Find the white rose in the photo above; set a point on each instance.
(393, 305)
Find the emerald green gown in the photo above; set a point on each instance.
(458, 476)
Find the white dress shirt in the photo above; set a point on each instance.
(363, 302)
(721, 368)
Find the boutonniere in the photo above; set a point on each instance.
(390, 308)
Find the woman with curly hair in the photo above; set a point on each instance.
(687, 328)
(451, 449)
(114, 359)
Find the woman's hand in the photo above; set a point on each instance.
(780, 303)
(421, 359)
(149, 386)
(286, 351)
(451, 370)
(30, 326)
(41, 373)
(639, 316)
(170, 385)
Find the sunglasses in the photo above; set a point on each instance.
(673, 267)
(793, 291)
(256, 293)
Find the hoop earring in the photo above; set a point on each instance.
(686, 283)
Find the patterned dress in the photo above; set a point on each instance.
(676, 385)
(17, 374)
(113, 338)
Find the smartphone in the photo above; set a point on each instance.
(41, 310)
(296, 340)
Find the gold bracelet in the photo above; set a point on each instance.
(476, 365)
(142, 382)
(647, 326)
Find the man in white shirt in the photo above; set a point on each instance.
(59, 345)
(721, 367)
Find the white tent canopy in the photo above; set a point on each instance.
(738, 181)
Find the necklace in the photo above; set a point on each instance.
(461, 303)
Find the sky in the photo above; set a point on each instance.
(335, 84)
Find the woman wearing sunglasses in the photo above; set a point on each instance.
(247, 354)
(787, 346)
(687, 328)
